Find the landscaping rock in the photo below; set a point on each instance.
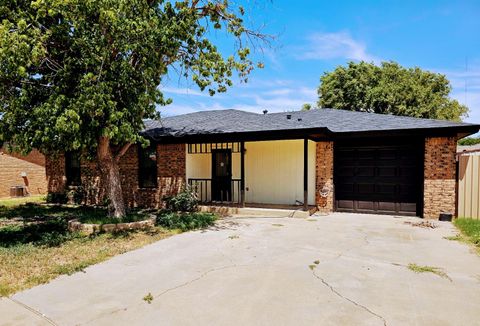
(87, 229)
(109, 227)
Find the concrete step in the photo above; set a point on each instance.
(255, 212)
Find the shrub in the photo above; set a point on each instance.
(184, 201)
(185, 221)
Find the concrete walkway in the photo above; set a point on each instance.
(340, 269)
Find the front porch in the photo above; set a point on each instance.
(269, 174)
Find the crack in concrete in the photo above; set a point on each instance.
(197, 279)
(332, 289)
(36, 312)
(166, 291)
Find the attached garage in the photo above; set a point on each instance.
(372, 176)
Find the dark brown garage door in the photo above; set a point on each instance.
(372, 177)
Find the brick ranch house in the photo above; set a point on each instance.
(22, 170)
(332, 160)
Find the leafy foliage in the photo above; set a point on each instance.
(72, 71)
(82, 75)
(185, 221)
(389, 89)
(184, 201)
(306, 107)
(469, 141)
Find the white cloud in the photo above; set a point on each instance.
(295, 92)
(276, 97)
(183, 91)
(466, 89)
(472, 100)
(175, 109)
(325, 46)
(278, 92)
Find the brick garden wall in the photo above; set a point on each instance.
(324, 176)
(170, 177)
(439, 176)
(13, 164)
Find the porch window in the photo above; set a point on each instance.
(147, 167)
(72, 169)
(209, 147)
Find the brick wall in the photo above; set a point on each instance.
(13, 164)
(170, 177)
(439, 176)
(324, 176)
(55, 171)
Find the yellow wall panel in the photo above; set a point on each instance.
(273, 171)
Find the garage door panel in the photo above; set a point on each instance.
(387, 171)
(407, 207)
(346, 205)
(378, 178)
(365, 188)
(408, 172)
(346, 172)
(365, 154)
(386, 190)
(346, 189)
(386, 206)
(365, 205)
(387, 154)
(365, 171)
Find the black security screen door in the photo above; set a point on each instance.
(221, 175)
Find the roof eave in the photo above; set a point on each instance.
(458, 131)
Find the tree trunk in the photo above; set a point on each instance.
(111, 172)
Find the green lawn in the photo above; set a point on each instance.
(9, 202)
(470, 231)
(36, 246)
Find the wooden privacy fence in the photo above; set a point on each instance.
(468, 186)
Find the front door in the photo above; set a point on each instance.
(221, 175)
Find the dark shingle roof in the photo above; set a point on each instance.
(335, 121)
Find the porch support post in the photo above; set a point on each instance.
(305, 174)
(242, 174)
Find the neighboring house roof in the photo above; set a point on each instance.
(331, 120)
(469, 148)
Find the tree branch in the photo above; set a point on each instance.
(122, 151)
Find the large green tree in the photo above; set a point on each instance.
(81, 75)
(391, 89)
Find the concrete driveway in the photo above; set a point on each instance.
(340, 269)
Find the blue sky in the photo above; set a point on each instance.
(314, 37)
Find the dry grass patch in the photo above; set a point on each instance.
(27, 265)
